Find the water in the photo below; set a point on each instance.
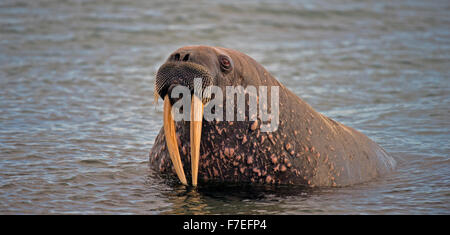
(77, 120)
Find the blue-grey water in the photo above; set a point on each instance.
(76, 90)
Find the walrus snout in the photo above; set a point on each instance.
(173, 74)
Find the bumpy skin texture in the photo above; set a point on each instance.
(307, 149)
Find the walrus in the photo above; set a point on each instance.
(307, 148)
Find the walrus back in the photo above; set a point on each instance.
(336, 154)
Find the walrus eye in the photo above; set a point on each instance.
(225, 63)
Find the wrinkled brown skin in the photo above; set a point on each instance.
(308, 148)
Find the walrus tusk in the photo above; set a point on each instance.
(196, 134)
(171, 140)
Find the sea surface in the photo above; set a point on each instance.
(77, 118)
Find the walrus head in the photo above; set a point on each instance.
(214, 66)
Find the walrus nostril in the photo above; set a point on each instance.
(177, 57)
(186, 57)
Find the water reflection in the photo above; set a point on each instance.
(232, 199)
(186, 201)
